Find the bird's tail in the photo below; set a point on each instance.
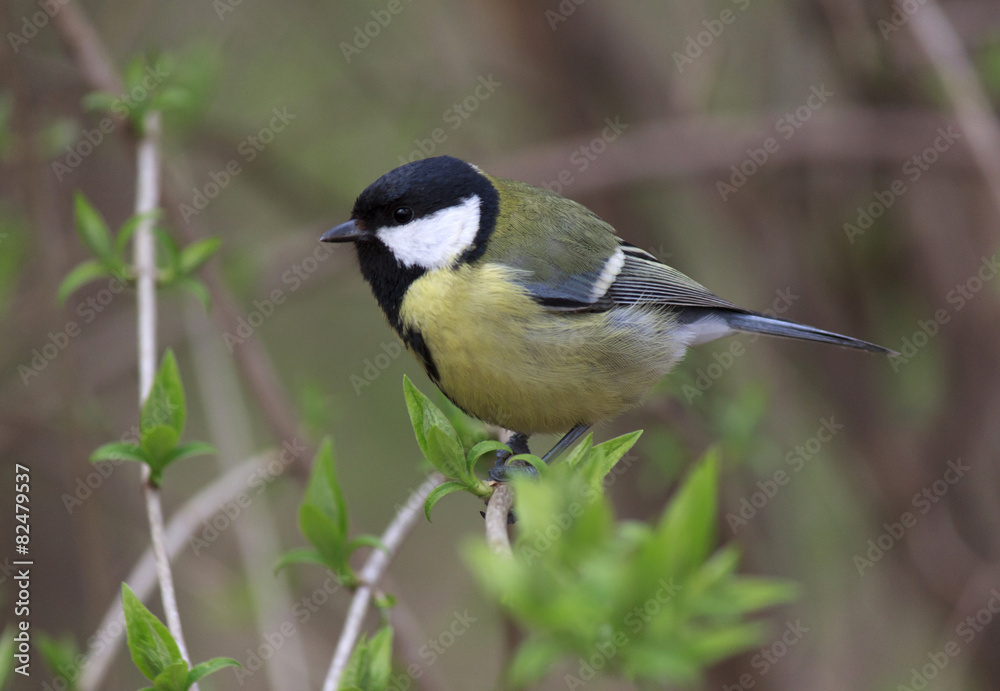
(758, 323)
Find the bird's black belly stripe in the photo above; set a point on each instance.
(415, 341)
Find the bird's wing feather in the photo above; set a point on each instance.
(568, 259)
(644, 279)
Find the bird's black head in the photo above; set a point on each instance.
(422, 216)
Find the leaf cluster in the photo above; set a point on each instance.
(323, 521)
(644, 602)
(161, 423)
(155, 652)
(177, 265)
(442, 446)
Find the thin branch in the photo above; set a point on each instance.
(90, 55)
(941, 44)
(147, 200)
(371, 573)
(496, 518)
(142, 578)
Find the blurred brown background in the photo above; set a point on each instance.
(837, 162)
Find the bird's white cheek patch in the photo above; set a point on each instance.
(436, 240)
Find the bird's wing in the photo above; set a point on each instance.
(569, 259)
(644, 279)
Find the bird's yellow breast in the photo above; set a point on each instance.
(508, 361)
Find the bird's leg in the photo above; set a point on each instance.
(518, 444)
(567, 441)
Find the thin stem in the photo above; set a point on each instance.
(496, 519)
(371, 573)
(143, 576)
(147, 200)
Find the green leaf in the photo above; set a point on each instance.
(687, 529)
(489, 446)
(437, 493)
(173, 678)
(579, 453)
(128, 229)
(604, 456)
(158, 444)
(322, 533)
(445, 453)
(92, 229)
(80, 275)
(194, 256)
(533, 659)
(99, 100)
(540, 466)
(370, 665)
(210, 667)
(425, 416)
(153, 648)
(323, 491)
(302, 555)
(119, 451)
(380, 659)
(165, 403)
(197, 288)
(171, 256)
(192, 448)
(60, 656)
(366, 541)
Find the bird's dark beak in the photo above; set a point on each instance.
(345, 232)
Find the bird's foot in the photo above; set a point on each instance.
(502, 469)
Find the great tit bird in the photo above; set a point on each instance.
(525, 308)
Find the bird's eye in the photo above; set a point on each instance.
(403, 214)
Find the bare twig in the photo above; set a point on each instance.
(142, 578)
(147, 200)
(371, 574)
(938, 40)
(496, 518)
